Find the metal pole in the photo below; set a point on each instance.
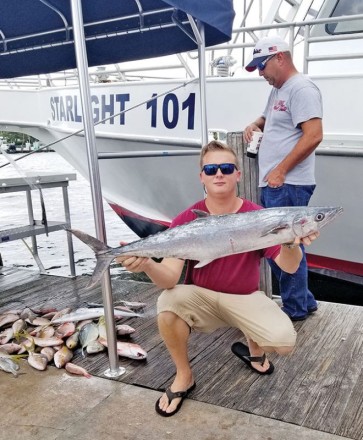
(202, 85)
(95, 181)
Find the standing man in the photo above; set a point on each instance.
(292, 127)
(225, 292)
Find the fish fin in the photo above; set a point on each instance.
(275, 230)
(203, 263)
(200, 214)
(95, 244)
(103, 262)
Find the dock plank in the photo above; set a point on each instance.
(319, 386)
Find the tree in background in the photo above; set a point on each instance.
(16, 138)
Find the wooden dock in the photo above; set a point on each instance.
(319, 386)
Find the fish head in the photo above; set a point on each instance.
(313, 219)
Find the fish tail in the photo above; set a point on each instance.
(100, 249)
(103, 262)
(95, 244)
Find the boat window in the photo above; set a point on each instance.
(346, 7)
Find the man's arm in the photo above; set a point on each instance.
(290, 255)
(310, 139)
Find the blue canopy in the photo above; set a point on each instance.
(36, 36)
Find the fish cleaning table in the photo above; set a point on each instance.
(37, 227)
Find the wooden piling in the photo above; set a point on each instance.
(248, 188)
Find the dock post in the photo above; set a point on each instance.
(249, 189)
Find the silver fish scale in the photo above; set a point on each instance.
(215, 236)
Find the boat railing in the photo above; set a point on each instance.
(256, 32)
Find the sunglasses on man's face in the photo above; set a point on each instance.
(212, 168)
(262, 65)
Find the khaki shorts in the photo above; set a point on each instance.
(256, 315)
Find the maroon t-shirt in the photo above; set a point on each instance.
(239, 273)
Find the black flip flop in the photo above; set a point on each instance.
(171, 395)
(243, 352)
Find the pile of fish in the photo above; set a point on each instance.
(44, 337)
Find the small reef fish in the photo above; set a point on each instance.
(8, 318)
(40, 320)
(95, 347)
(6, 335)
(129, 304)
(62, 356)
(61, 313)
(48, 352)
(18, 326)
(102, 331)
(127, 349)
(72, 340)
(209, 237)
(76, 369)
(39, 361)
(88, 334)
(47, 342)
(124, 329)
(9, 366)
(65, 329)
(43, 331)
(11, 347)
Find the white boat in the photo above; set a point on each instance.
(148, 148)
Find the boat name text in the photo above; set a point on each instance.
(112, 109)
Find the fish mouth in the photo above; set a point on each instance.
(335, 212)
(331, 214)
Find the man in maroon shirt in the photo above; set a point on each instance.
(225, 292)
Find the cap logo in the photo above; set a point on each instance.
(256, 51)
(272, 49)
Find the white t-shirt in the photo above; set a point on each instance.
(297, 101)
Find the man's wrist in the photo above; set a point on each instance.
(291, 245)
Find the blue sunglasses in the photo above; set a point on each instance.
(212, 169)
(262, 65)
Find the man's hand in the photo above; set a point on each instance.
(275, 178)
(248, 132)
(132, 264)
(306, 241)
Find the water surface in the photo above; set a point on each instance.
(53, 250)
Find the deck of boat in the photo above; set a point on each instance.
(318, 387)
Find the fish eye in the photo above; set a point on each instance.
(319, 217)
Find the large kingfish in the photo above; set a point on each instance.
(209, 237)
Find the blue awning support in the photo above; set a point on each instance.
(182, 26)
